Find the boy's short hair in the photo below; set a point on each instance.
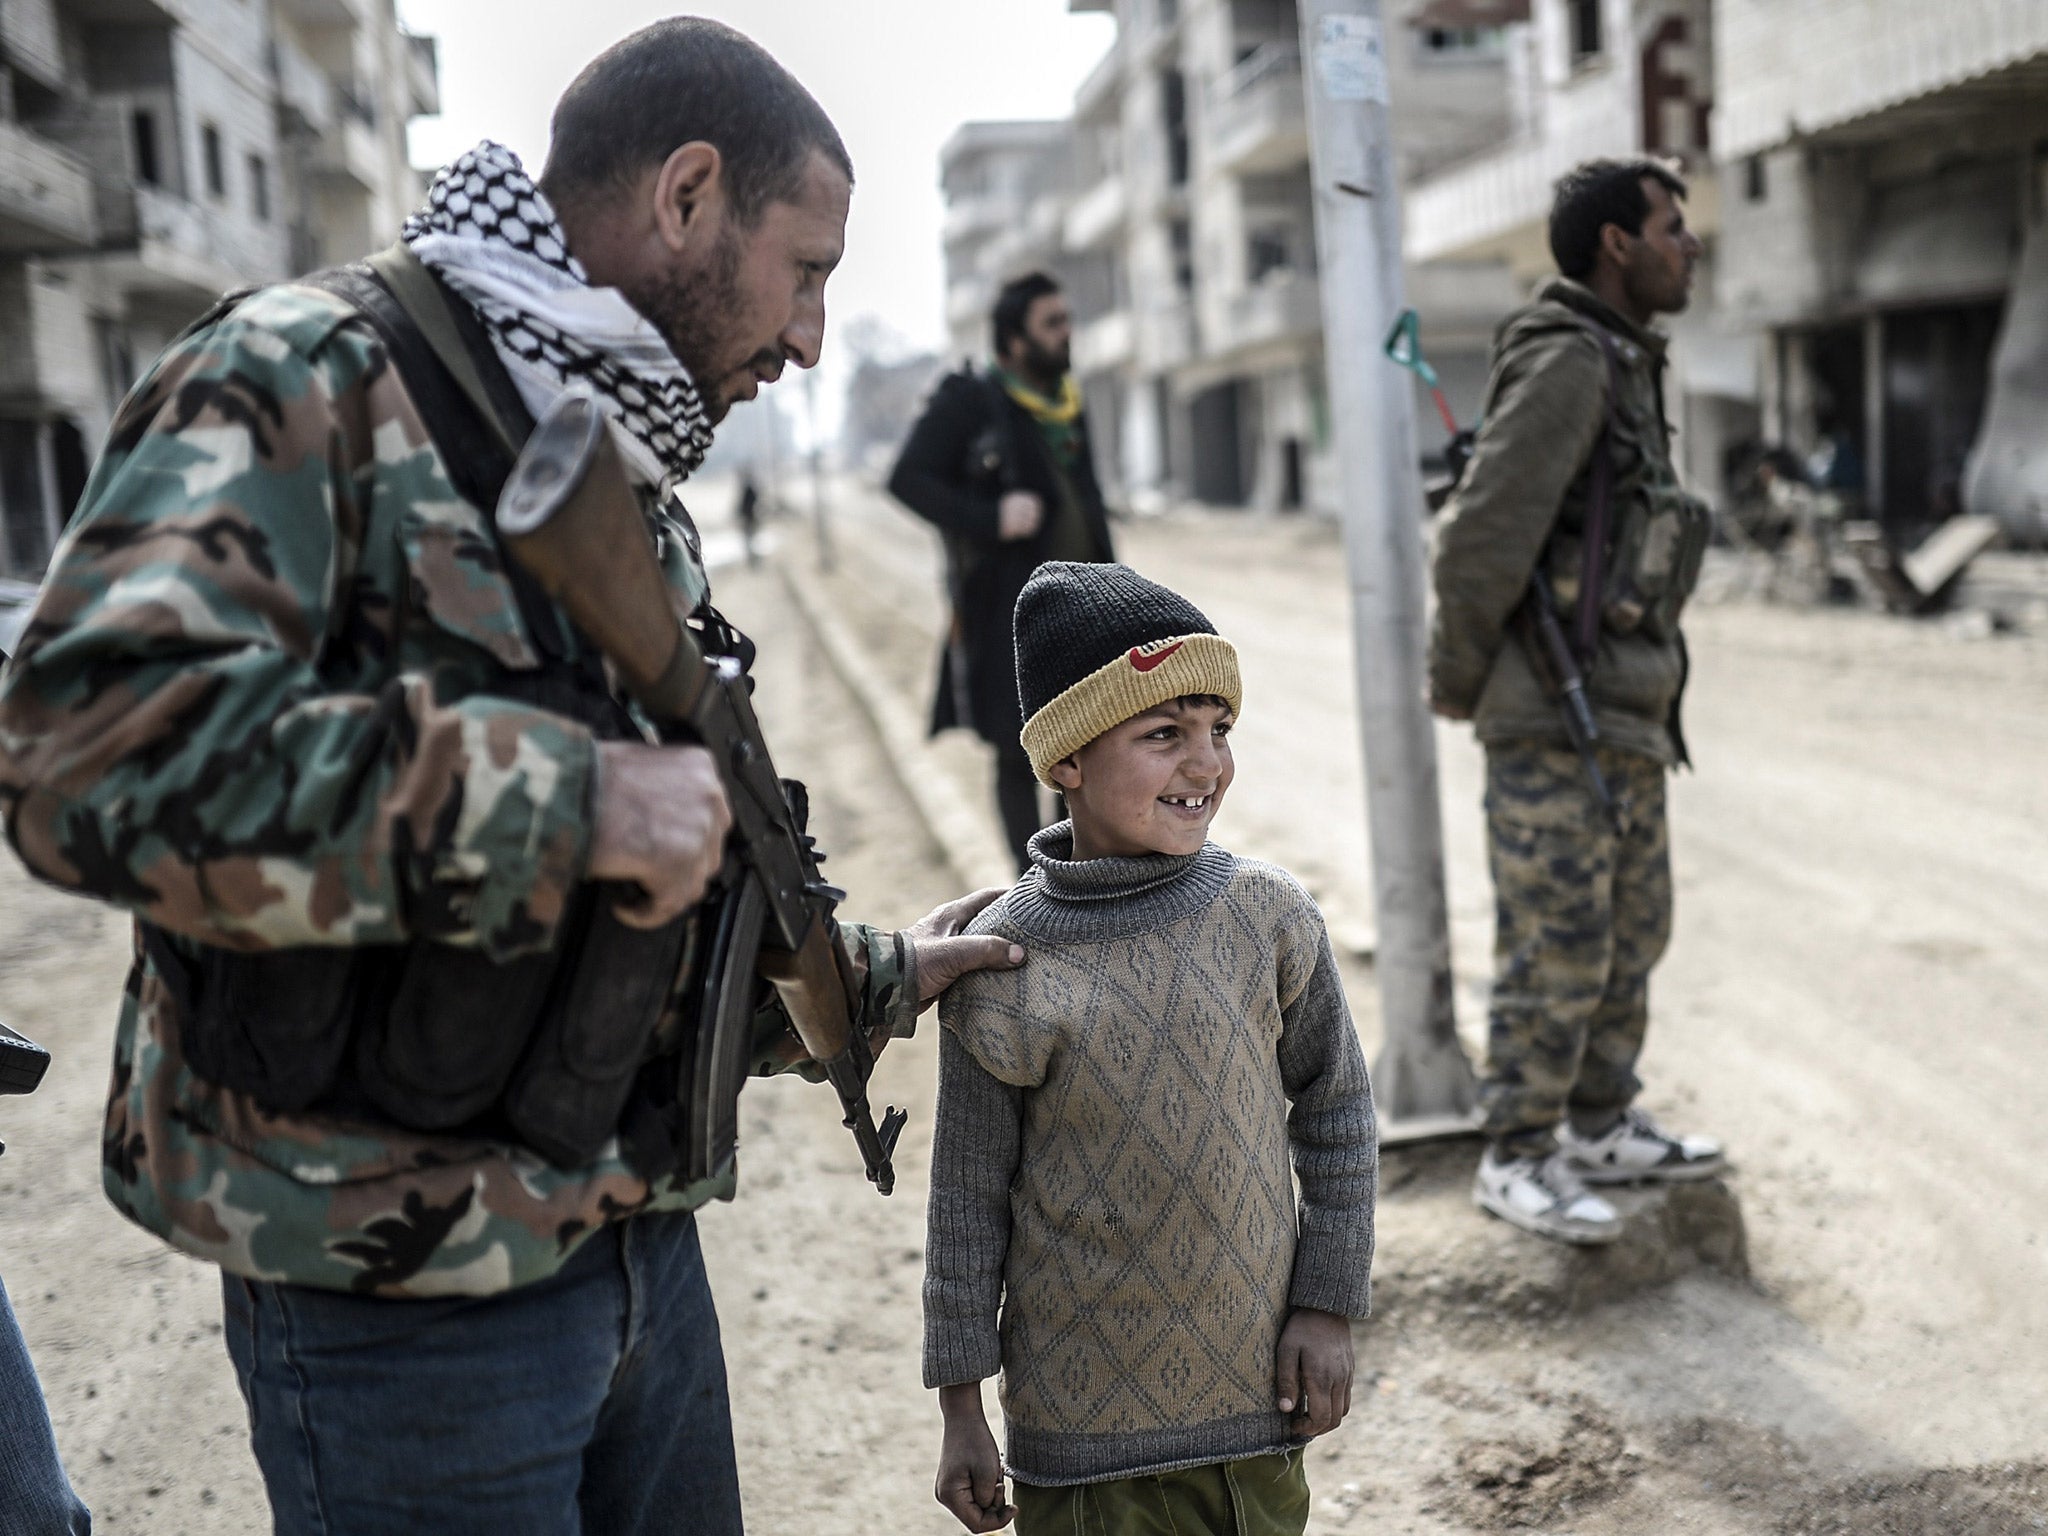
(1098, 644)
(1591, 196)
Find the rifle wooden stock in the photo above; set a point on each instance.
(568, 514)
(813, 992)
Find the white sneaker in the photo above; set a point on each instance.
(1544, 1195)
(1635, 1149)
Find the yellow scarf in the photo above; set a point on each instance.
(1051, 413)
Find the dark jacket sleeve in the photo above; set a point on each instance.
(930, 474)
(1543, 417)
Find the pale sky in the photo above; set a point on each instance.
(897, 76)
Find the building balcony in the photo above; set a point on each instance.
(1889, 64)
(325, 13)
(126, 13)
(1496, 205)
(422, 75)
(304, 91)
(46, 195)
(974, 217)
(182, 252)
(1166, 337)
(1277, 313)
(1258, 118)
(30, 42)
(1105, 343)
(350, 153)
(1097, 215)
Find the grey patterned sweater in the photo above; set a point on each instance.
(1114, 1220)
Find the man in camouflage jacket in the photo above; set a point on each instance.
(271, 698)
(1583, 905)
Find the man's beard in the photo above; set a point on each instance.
(694, 315)
(1655, 291)
(1049, 365)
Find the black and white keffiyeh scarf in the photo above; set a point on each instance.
(491, 235)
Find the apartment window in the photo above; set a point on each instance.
(1173, 89)
(1462, 42)
(1270, 252)
(1183, 256)
(210, 153)
(148, 167)
(1756, 185)
(1587, 39)
(259, 188)
(24, 499)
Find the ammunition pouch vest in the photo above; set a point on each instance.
(1641, 540)
(556, 1050)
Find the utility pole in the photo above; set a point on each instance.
(1422, 1081)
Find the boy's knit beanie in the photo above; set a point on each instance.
(1097, 644)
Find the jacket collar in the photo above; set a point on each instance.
(1576, 295)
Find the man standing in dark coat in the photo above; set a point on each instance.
(1000, 464)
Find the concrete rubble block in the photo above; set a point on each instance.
(1443, 1264)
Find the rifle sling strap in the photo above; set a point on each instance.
(420, 295)
(1599, 516)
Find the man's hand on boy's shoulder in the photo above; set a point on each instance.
(946, 952)
(1312, 1371)
(970, 1480)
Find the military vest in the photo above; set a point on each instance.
(558, 1050)
(1656, 533)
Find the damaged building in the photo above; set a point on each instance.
(153, 155)
(1885, 166)
(1869, 176)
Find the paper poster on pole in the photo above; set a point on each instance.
(1351, 58)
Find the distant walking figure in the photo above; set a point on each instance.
(1000, 464)
(748, 514)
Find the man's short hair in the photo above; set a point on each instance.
(1014, 302)
(678, 82)
(1598, 193)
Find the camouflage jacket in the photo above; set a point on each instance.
(1524, 498)
(253, 706)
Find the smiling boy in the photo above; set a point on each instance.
(1115, 1223)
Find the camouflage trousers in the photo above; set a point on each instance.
(1583, 913)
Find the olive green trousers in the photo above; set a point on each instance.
(1261, 1496)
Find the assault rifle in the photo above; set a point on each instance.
(1551, 653)
(569, 516)
(22, 1064)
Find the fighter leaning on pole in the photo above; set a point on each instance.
(285, 699)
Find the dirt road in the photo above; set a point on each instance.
(1851, 1002)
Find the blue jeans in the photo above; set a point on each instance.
(590, 1402)
(35, 1495)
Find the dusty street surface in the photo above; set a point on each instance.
(1851, 1001)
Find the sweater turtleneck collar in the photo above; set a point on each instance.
(1064, 898)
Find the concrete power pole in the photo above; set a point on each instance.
(1422, 1081)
